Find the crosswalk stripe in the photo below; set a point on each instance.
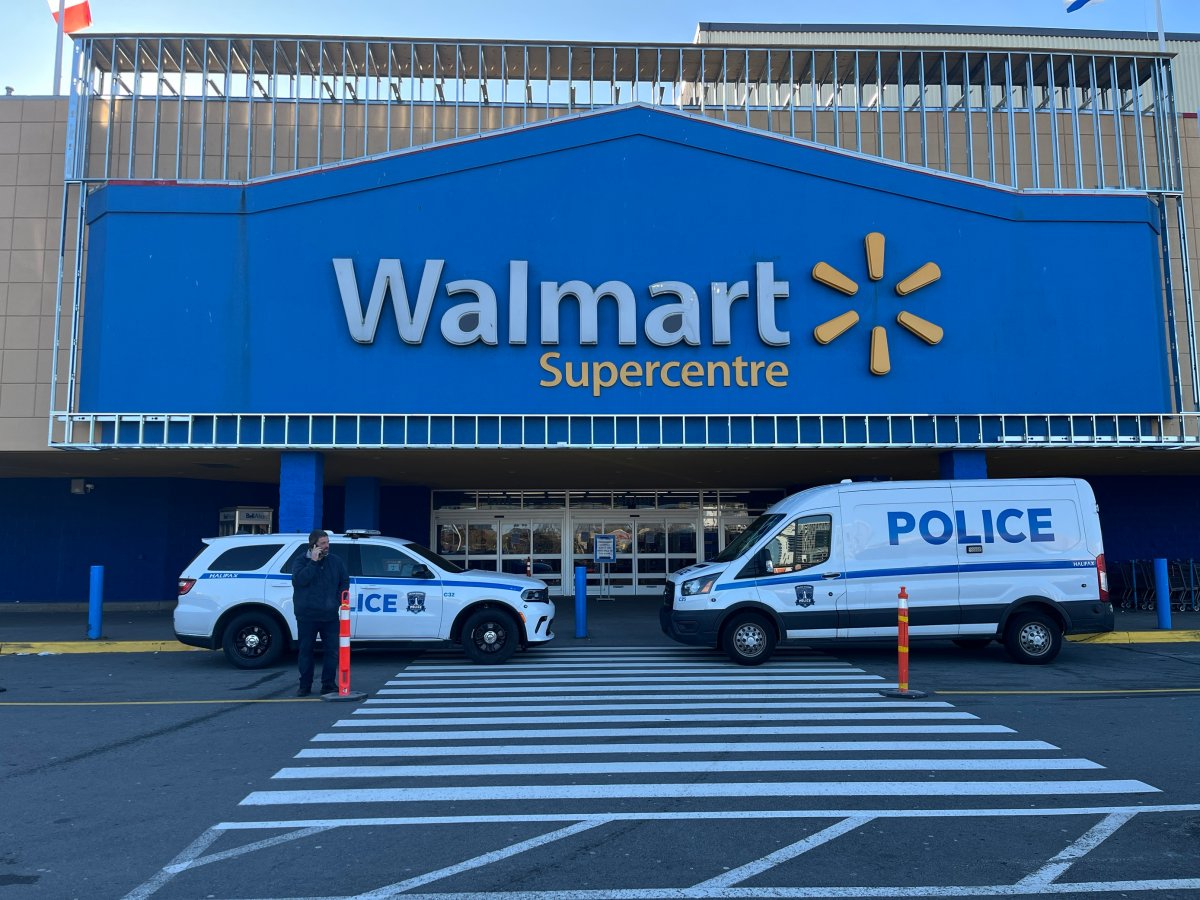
(507, 706)
(687, 790)
(593, 733)
(718, 747)
(665, 717)
(641, 679)
(761, 689)
(723, 766)
(699, 695)
(676, 666)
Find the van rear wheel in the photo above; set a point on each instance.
(748, 640)
(1033, 638)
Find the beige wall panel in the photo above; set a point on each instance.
(16, 400)
(7, 226)
(21, 433)
(19, 367)
(24, 299)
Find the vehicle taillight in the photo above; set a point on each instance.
(185, 585)
(1102, 574)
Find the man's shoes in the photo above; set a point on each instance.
(329, 689)
(303, 691)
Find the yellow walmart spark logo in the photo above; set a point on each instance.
(880, 361)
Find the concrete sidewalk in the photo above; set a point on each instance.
(627, 621)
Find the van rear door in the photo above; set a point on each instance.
(1019, 539)
(900, 537)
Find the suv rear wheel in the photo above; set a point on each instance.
(253, 640)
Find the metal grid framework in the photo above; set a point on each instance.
(227, 108)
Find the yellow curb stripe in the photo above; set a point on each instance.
(45, 703)
(11, 648)
(1136, 637)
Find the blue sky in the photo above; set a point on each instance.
(27, 29)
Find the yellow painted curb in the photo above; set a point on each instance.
(1137, 637)
(16, 648)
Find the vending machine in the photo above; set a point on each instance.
(246, 520)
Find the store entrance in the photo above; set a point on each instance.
(549, 533)
(509, 543)
(648, 547)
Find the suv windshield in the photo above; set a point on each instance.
(748, 538)
(429, 556)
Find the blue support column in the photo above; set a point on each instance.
(962, 464)
(362, 503)
(301, 487)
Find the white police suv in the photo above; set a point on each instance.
(237, 595)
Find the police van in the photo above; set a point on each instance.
(1013, 560)
(236, 595)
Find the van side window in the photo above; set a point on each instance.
(802, 544)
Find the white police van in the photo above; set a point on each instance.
(237, 595)
(1015, 560)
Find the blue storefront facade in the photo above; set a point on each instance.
(624, 298)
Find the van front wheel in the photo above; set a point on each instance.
(1033, 638)
(749, 640)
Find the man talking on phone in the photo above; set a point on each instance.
(317, 585)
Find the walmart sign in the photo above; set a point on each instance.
(628, 261)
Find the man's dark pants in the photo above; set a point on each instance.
(307, 634)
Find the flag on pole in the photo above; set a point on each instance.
(77, 14)
(1072, 5)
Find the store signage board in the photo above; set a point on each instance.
(604, 548)
(628, 262)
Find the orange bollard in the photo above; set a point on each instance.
(344, 644)
(901, 690)
(343, 678)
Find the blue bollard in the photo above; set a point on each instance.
(95, 599)
(1162, 594)
(580, 602)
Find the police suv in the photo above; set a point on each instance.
(1015, 560)
(237, 595)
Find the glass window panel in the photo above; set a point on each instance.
(454, 500)
(546, 500)
(681, 538)
(652, 564)
(514, 537)
(481, 538)
(652, 537)
(249, 558)
(583, 534)
(451, 539)
(547, 537)
(624, 535)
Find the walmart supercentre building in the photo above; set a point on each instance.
(499, 297)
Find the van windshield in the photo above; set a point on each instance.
(748, 538)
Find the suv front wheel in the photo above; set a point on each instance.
(253, 640)
(489, 636)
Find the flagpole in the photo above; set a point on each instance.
(58, 42)
(1162, 37)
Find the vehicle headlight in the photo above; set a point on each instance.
(536, 595)
(695, 586)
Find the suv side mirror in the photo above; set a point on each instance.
(422, 571)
